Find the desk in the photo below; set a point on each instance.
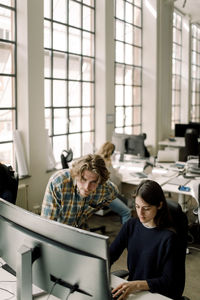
(178, 143)
(162, 174)
(8, 282)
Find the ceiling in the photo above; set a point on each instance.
(190, 8)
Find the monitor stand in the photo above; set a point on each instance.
(24, 273)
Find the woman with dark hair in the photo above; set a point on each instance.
(153, 261)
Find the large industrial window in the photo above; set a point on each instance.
(176, 68)
(69, 34)
(195, 73)
(7, 79)
(128, 66)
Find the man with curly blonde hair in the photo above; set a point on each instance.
(73, 195)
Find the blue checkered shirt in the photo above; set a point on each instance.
(63, 203)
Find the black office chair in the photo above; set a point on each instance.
(180, 223)
(191, 143)
(134, 144)
(9, 181)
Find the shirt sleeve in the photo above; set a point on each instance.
(119, 244)
(51, 206)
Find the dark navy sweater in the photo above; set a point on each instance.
(153, 255)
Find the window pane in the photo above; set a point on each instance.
(119, 74)
(7, 92)
(59, 10)
(120, 9)
(74, 93)
(59, 93)
(47, 34)
(7, 154)
(88, 94)
(129, 34)
(129, 117)
(88, 69)
(129, 54)
(119, 52)
(137, 95)
(88, 18)
(6, 125)
(119, 116)
(119, 95)
(47, 63)
(48, 120)
(74, 14)
(7, 30)
(59, 37)
(74, 140)
(47, 9)
(75, 120)
(59, 144)
(74, 40)
(129, 12)
(60, 121)
(7, 58)
(88, 43)
(59, 65)
(137, 115)
(87, 119)
(128, 95)
(74, 67)
(129, 76)
(47, 92)
(119, 30)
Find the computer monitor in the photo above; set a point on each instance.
(134, 145)
(118, 139)
(58, 258)
(180, 128)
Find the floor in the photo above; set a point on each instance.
(192, 287)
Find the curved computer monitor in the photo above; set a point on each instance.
(62, 259)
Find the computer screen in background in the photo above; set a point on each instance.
(118, 139)
(180, 128)
(63, 260)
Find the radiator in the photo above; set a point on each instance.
(22, 196)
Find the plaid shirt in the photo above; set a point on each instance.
(63, 203)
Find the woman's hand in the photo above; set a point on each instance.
(126, 288)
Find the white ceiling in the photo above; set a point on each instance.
(191, 8)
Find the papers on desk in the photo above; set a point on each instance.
(179, 181)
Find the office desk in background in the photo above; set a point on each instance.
(179, 142)
(8, 284)
(163, 174)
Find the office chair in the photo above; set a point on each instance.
(180, 223)
(9, 181)
(196, 211)
(134, 144)
(191, 143)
